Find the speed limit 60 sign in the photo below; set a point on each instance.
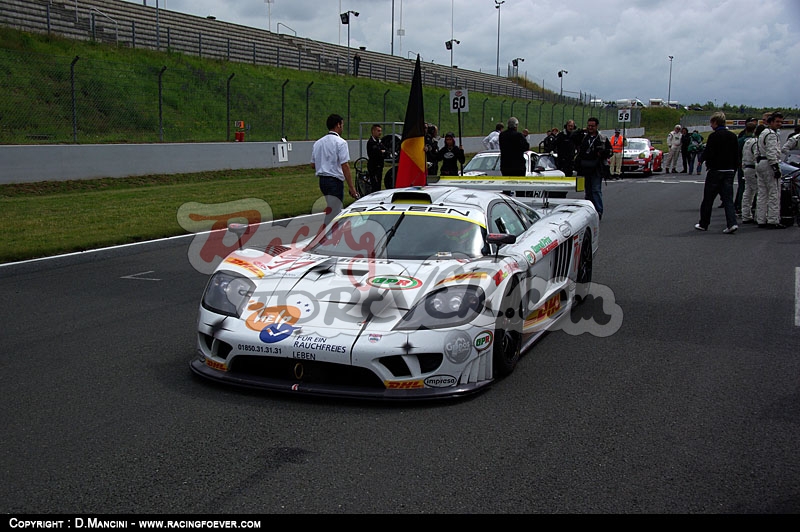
(624, 115)
(459, 101)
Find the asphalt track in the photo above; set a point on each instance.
(692, 406)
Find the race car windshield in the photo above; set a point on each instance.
(415, 237)
(482, 163)
(638, 145)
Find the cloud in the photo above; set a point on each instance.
(613, 49)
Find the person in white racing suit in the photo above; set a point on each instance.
(674, 147)
(749, 171)
(791, 144)
(768, 153)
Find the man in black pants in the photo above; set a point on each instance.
(376, 154)
(722, 159)
(593, 152)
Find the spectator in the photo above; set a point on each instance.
(451, 155)
(330, 159)
(356, 64)
(748, 164)
(768, 170)
(593, 152)
(548, 144)
(617, 143)
(490, 141)
(565, 148)
(685, 140)
(721, 160)
(376, 155)
(432, 149)
(674, 147)
(513, 146)
(695, 147)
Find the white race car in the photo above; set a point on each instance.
(486, 164)
(414, 293)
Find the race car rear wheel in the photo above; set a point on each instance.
(584, 276)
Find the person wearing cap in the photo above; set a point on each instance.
(513, 146)
(617, 143)
(450, 155)
(674, 147)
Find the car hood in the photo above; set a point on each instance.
(344, 293)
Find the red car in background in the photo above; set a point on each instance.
(639, 156)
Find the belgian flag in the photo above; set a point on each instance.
(412, 169)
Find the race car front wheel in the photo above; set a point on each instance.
(508, 332)
(506, 352)
(583, 279)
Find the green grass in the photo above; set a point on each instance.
(44, 219)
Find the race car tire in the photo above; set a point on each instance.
(508, 333)
(583, 279)
(507, 344)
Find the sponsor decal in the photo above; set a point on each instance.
(219, 366)
(404, 385)
(275, 333)
(396, 282)
(441, 381)
(317, 344)
(483, 340)
(552, 306)
(530, 257)
(504, 272)
(374, 338)
(464, 277)
(265, 316)
(457, 347)
(246, 265)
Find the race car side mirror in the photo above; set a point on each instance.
(239, 230)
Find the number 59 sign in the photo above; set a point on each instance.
(624, 115)
(459, 101)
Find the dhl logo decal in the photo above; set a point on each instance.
(245, 265)
(404, 385)
(551, 307)
(219, 366)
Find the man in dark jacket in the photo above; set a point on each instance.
(513, 146)
(593, 152)
(722, 159)
(376, 155)
(565, 148)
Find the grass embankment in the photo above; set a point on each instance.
(49, 218)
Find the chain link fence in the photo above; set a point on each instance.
(70, 99)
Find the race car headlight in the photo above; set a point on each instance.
(227, 293)
(447, 307)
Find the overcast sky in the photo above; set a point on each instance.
(741, 52)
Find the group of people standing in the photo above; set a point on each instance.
(686, 147)
(588, 153)
(757, 153)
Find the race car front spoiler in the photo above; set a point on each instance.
(411, 392)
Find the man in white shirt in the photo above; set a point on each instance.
(330, 159)
(491, 141)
